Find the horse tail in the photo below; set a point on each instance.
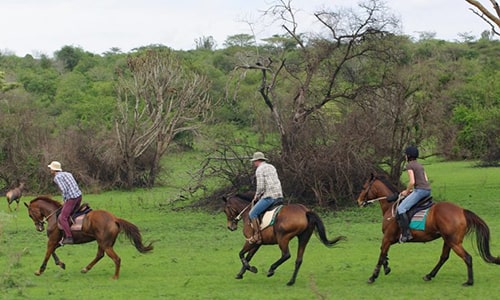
(315, 221)
(134, 235)
(476, 224)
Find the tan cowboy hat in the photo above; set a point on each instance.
(258, 156)
(55, 166)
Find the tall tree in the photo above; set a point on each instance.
(159, 100)
(303, 79)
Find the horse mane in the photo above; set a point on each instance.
(247, 196)
(387, 183)
(47, 199)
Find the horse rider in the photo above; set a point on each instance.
(72, 197)
(268, 191)
(418, 188)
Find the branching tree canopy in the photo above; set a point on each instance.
(492, 17)
(158, 100)
(321, 68)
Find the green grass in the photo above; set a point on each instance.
(196, 257)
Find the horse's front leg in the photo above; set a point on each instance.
(57, 261)
(245, 261)
(383, 260)
(51, 247)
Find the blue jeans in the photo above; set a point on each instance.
(412, 199)
(260, 207)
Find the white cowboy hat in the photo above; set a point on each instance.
(258, 156)
(55, 166)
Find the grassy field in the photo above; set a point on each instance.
(196, 257)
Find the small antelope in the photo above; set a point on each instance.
(15, 195)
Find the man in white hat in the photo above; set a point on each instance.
(72, 197)
(268, 191)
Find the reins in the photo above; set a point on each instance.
(238, 217)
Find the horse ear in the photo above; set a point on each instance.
(372, 176)
(224, 198)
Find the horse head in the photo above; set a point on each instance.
(366, 192)
(40, 210)
(234, 209)
(376, 189)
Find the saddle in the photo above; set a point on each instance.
(269, 216)
(423, 204)
(76, 218)
(419, 206)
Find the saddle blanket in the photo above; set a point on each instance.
(418, 220)
(269, 217)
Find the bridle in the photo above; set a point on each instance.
(367, 190)
(239, 215)
(41, 223)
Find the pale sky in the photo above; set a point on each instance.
(44, 26)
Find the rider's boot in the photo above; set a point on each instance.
(404, 224)
(256, 238)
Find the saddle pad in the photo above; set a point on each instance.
(418, 220)
(76, 223)
(269, 217)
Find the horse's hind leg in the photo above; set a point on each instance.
(300, 254)
(460, 251)
(445, 254)
(285, 255)
(98, 256)
(116, 259)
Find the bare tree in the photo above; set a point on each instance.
(296, 86)
(158, 102)
(490, 17)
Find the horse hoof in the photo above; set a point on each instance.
(38, 273)
(290, 283)
(62, 266)
(239, 276)
(371, 280)
(427, 278)
(84, 270)
(387, 271)
(253, 269)
(468, 283)
(270, 273)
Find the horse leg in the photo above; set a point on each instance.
(445, 254)
(51, 247)
(246, 260)
(285, 255)
(116, 259)
(303, 240)
(383, 260)
(57, 261)
(460, 251)
(98, 256)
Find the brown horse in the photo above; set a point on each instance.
(293, 220)
(444, 219)
(98, 225)
(15, 195)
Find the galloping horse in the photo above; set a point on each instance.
(293, 220)
(444, 219)
(98, 225)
